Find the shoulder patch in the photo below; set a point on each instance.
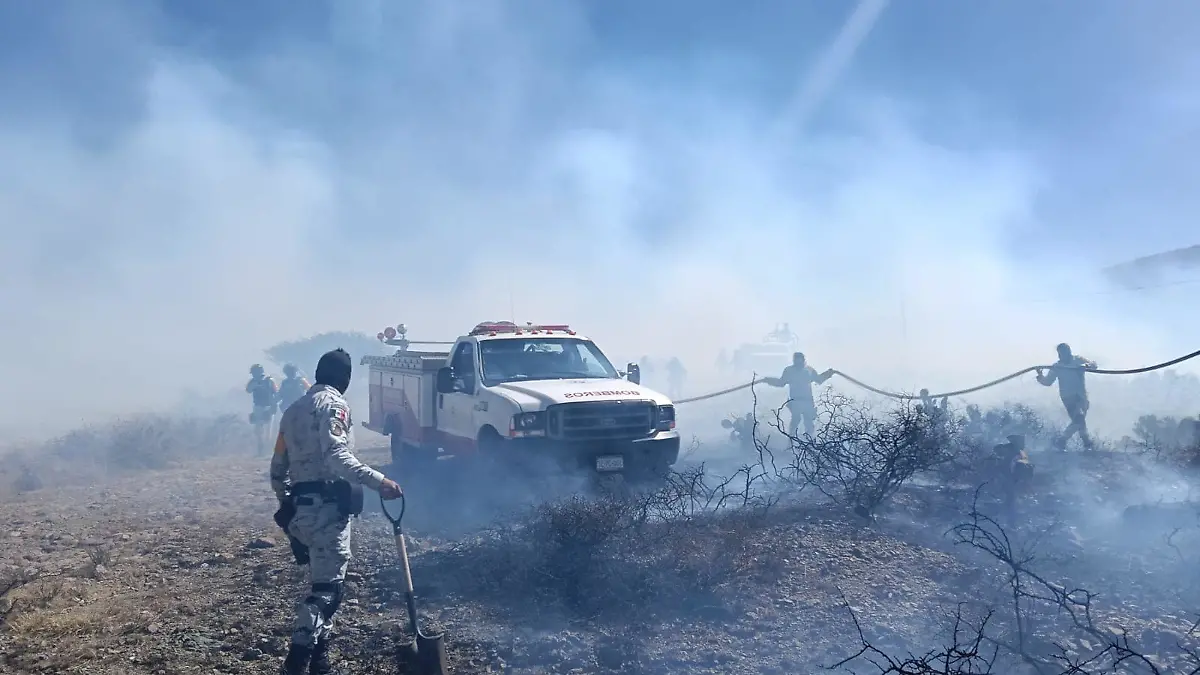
(339, 420)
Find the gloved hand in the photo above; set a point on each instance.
(283, 518)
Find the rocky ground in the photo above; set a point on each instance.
(181, 570)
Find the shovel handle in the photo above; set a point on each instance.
(395, 520)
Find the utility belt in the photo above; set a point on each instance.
(349, 496)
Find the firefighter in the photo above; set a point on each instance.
(1069, 371)
(675, 376)
(927, 403)
(264, 397)
(646, 369)
(1015, 469)
(974, 425)
(741, 430)
(938, 411)
(799, 378)
(316, 477)
(294, 386)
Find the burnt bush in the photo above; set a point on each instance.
(625, 555)
(1175, 442)
(1043, 626)
(859, 457)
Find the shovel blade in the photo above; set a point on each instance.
(426, 655)
(431, 655)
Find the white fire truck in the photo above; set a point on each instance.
(519, 392)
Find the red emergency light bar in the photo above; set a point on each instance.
(506, 327)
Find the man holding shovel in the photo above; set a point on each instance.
(314, 472)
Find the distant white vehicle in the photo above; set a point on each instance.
(771, 355)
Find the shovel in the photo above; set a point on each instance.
(426, 652)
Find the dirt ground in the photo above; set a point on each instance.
(182, 570)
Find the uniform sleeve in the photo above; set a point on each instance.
(250, 386)
(1051, 376)
(279, 468)
(335, 443)
(785, 377)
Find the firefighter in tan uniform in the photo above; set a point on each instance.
(316, 476)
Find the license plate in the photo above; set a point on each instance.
(610, 463)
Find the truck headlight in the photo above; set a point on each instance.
(666, 418)
(528, 424)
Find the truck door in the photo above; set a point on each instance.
(456, 412)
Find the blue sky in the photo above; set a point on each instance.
(192, 165)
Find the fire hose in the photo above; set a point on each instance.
(959, 392)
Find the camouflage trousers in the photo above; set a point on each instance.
(320, 526)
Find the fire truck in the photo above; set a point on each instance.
(518, 393)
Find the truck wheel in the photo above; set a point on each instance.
(490, 451)
(396, 441)
(408, 459)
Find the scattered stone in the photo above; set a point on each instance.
(260, 543)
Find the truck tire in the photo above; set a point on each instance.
(491, 453)
(408, 459)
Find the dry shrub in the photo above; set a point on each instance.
(860, 458)
(1170, 441)
(134, 444)
(976, 434)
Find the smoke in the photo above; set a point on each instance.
(926, 202)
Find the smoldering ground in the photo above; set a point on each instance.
(675, 578)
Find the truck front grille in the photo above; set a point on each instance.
(601, 420)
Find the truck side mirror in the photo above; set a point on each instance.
(445, 380)
(634, 373)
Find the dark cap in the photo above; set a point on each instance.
(334, 369)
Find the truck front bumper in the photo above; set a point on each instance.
(657, 452)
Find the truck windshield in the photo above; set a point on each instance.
(538, 358)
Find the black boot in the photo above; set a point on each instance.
(297, 660)
(320, 659)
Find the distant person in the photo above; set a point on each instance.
(676, 374)
(932, 407)
(264, 397)
(799, 379)
(974, 423)
(723, 362)
(741, 430)
(646, 369)
(294, 386)
(315, 474)
(1069, 371)
(1015, 469)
